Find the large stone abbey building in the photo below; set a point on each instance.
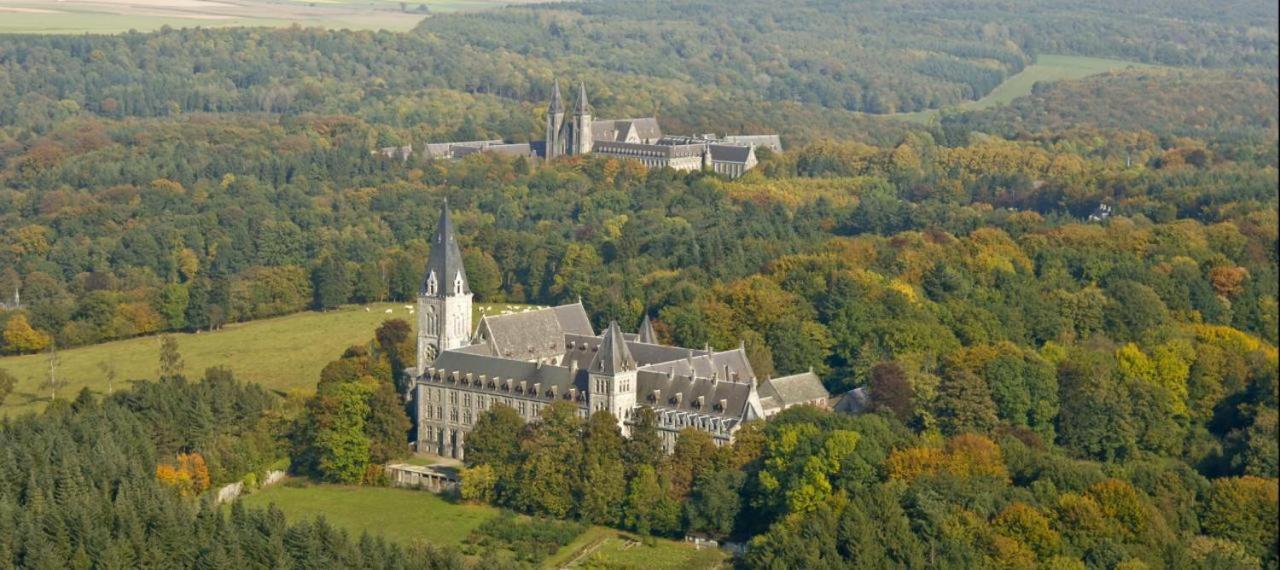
(641, 139)
(530, 359)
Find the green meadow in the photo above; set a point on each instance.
(1046, 68)
(283, 353)
(406, 516)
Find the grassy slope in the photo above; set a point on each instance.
(397, 514)
(284, 353)
(406, 516)
(1046, 68)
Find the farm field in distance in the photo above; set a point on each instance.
(282, 353)
(115, 16)
(405, 516)
(1045, 68)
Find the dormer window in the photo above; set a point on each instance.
(457, 284)
(432, 285)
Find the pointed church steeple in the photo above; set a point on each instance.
(557, 102)
(647, 335)
(445, 275)
(581, 140)
(614, 356)
(583, 108)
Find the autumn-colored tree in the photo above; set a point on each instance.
(1028, 525)
(478, 483)
(1244, 510)
(970, 455)
(188, 473)
(20, 338)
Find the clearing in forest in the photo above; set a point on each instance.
(1046, 68)
(283, 354)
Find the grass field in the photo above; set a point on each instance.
(284, 353)
(405, 516)
(399, 515)
(115, 16)
(1046, 68)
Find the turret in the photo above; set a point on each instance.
(646, 333)
(613, 377)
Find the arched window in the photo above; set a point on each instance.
(432, 319)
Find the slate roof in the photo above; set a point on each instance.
(532, 335)
(616, 130)
(498, 370)
(855, 401)
(447, 149)
(583, 107)
(730, 364)
(646, 334)
(582, 349)
(771, 142)
(613, 356)
(557, 103)
(639, 150)
(794, 389)
(445, 261)
(730, 153)
(700, 395)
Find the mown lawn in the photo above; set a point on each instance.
(283, 354)
(400, 515)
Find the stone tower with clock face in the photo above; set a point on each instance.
(444, 300)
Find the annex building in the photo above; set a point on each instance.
(639, 139)
(531, 359)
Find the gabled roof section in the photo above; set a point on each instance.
(731, 153)
(794, 389)
(646, 334)
(445, 262)
(613, 356)
(533, 335)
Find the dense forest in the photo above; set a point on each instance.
(1064, 310)
(108, 484)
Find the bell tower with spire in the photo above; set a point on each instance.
(555, 124)
(444, 300)
(582, 141)
(613, 377)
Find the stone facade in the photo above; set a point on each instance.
(528, 360)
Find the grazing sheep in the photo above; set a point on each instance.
(388, 311)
